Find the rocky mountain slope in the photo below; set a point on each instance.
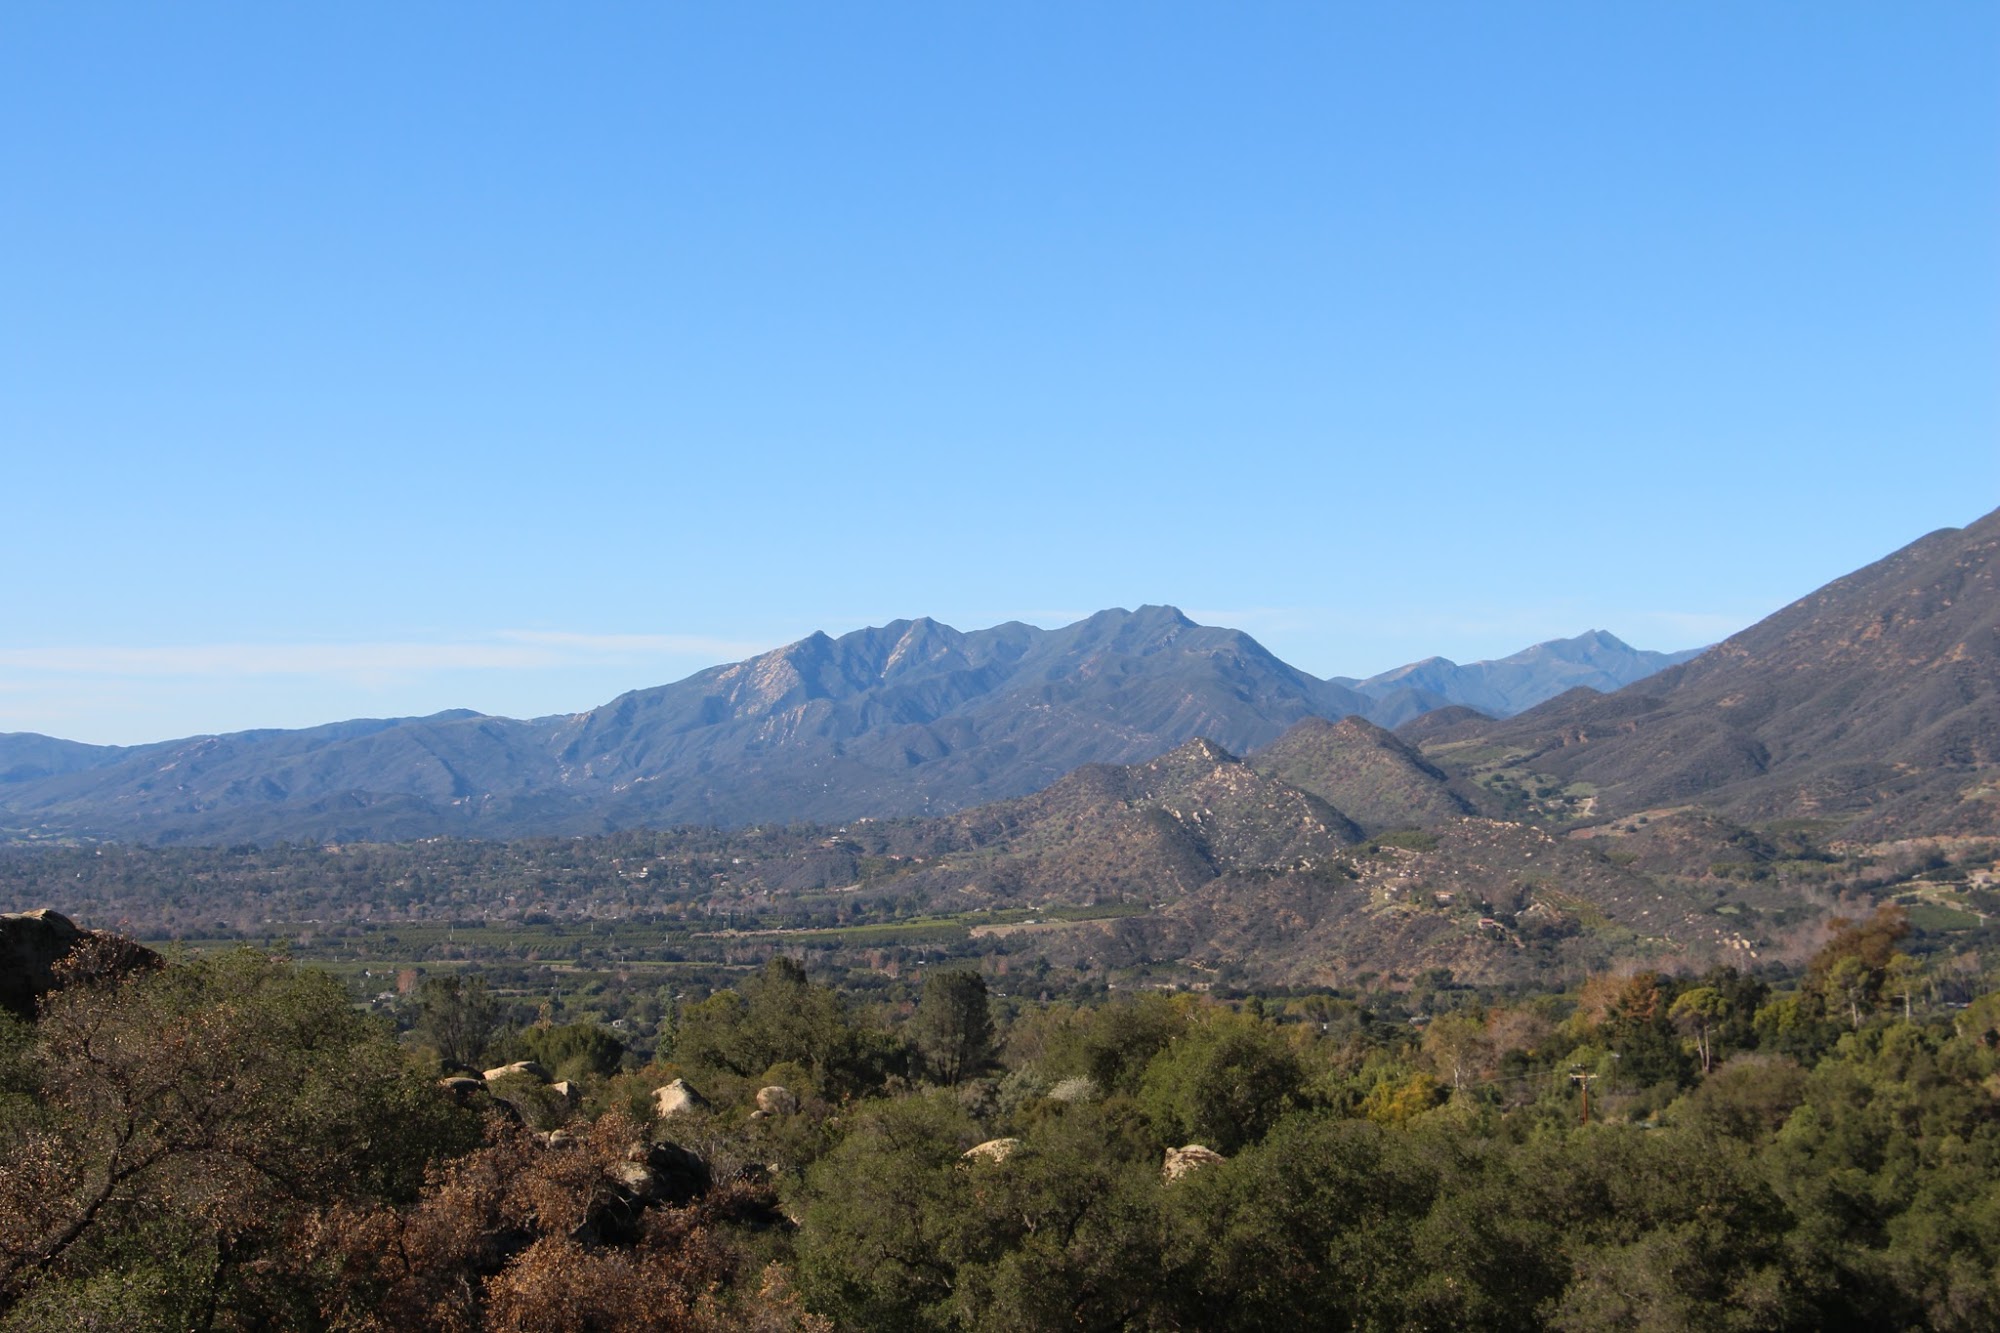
(1377, 780)
(1192, 867)
(909, 718)
(1873, 702)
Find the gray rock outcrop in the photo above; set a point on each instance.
(993, 1150)
(43, 950)
(31, 944)
(776, 1100)
(1193, 1157)
(677, 1097)
(527, 1067)
(662, 1173)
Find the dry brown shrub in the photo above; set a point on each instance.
(523, 1236)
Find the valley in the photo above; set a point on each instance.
(1709, 814)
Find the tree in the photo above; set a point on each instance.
(953, 1026)
(182, 1122)
(1457, 1045)
(456, 1015)
(1852, 984)
(1903, 978)
(1851, 969)
(789, 1020)
(706, 1033)
(1311, 1228)
(575, 1050)
(778, 1018)
(1698, 1013)
(1109, 1044)
(1649, 1243)
(893, 1267)
(1399, 1099)
(1223, 1084)
(1641, 1033)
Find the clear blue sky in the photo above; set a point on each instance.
(364, 359)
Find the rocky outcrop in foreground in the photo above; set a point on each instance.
(43, 950)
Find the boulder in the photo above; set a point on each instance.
(993, 1150)
(43, 950)
(676, 1097)
(636, 1179)
(462, 1089)
(776, 1100)
(568, 1091)
(31, 944)
(651, 1174)
(528, 1067)
(678, 1175)
(1193, 1157)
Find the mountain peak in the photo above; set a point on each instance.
(1363, 771)
(1200, 750)
(1502, 687)
(1162, 613)
(1149, 616)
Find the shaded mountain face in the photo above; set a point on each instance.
(910, 718)
(1422, 728)
(916, 716)
(1875, 701)
(27, 757)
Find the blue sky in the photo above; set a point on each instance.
(376, 359)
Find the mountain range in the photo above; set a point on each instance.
(1714, 811)
(909, 718)
(1594, 661)
(1871, 706)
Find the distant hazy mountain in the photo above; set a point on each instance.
(917, 716)
(24, 756)
(1875, 700)
(1501, 688)
(909, 718)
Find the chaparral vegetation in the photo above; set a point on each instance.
(225, 1141)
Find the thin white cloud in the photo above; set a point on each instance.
(508, 650)
(674, 645)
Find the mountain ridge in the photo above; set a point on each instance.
(1504, 686)
(907, 718)
(1874, 699)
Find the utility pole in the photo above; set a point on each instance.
(1582, 1081)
